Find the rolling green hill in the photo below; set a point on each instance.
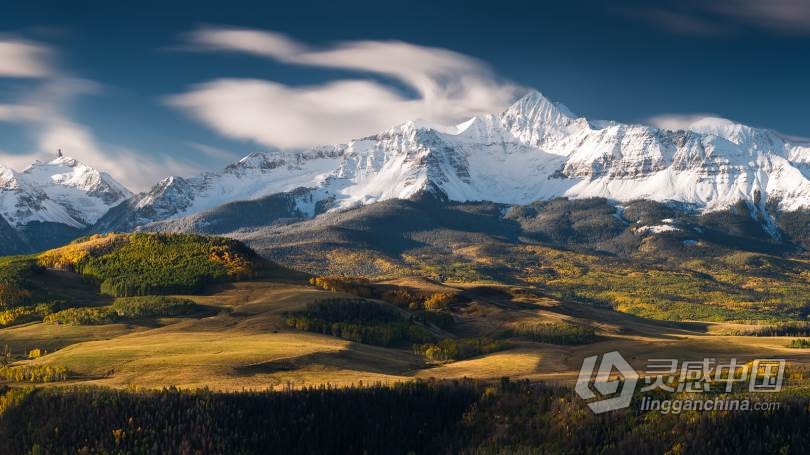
(88, 271)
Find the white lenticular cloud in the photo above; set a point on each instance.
(676, 122)
(20, 58)
(277, 115)
(450, 87)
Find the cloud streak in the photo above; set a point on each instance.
(44, 115)
(20, 58)
(675, 122)
(707, 123)
(449, 87)
(726, 17)
(781, 16)
(279, 116)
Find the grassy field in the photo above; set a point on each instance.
(246, 344)
(481, 311)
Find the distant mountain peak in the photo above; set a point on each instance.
(535, 107)
(63, 191)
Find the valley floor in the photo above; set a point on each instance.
(245, 343)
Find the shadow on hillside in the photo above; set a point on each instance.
(79, 290)
(629, 324)
(377, 360)
(388, 226)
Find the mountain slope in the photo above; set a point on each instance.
(10, 242)
(534, 150)
(451, 239)
(253, 177)
(279, 208)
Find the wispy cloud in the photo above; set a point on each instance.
(280, 116)
(44, 113)
(449, 87)
(680, 22)
(212, 152)
(781, 16)
(706, 123)
(725, 17)
(20, 58)
(676, 122)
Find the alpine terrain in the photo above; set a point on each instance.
(47, 203)
(534, 150)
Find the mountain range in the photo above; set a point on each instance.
(534, 150)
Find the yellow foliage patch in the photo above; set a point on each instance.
(439, 301)
(70, 256)
(236, 265)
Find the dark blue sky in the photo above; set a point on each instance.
(620, 60)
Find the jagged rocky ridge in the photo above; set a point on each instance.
(534, 150)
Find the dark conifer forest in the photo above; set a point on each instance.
(422, 418)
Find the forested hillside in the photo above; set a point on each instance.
(436, 418)
(143, 264)
(119, 265)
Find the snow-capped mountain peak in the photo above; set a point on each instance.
(62, 191)
(70, 172)
(535, 109)
(756, 141)
(535, 149)
(535, 120)
(255, 176)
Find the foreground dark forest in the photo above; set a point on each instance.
(422, 417)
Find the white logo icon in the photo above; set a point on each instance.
(609, 389)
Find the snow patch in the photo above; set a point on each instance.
(657, 229)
